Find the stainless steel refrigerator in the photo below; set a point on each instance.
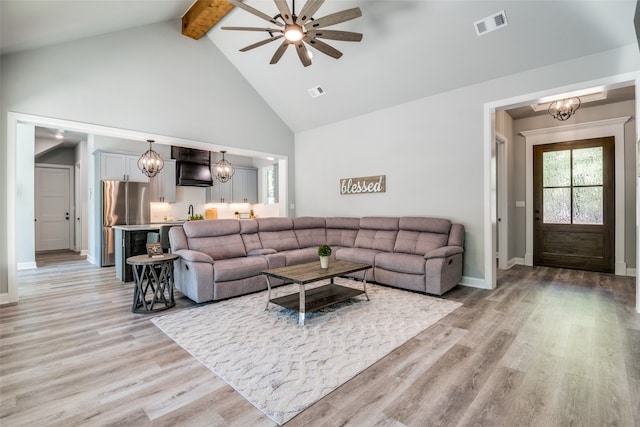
(123, 203)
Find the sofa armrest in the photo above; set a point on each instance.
(444, 252)
(193, 256)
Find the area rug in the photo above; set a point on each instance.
(283, 368)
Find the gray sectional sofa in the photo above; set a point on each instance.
(224, 258)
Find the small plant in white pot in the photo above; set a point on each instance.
(324, 251)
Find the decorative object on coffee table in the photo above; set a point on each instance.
(153, 276)
(324, 251)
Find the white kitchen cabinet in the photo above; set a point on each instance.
(245, 185)
(162, 187)
(121, 167)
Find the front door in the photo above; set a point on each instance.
(574, 204)
(52, 208)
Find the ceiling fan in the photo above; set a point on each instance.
(300, 28)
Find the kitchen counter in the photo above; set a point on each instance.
(147, 227)
(131, 240)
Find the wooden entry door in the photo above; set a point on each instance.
(574, 204)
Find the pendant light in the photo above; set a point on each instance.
(223, 170)
(562, 109)
(150, 163)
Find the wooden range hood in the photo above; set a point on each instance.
(203, 15)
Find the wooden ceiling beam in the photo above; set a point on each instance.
(203, 15)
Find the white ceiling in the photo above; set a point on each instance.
(410, 49)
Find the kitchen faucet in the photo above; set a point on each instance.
(190, 212)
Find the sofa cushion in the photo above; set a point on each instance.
(421, 235)
(342, 231)
(432, 225)
(377, 233)
(402, 263)
(415, 242)
(300, 256)
(310, 231)
(277, 233)
(211, 228)
(365, 256)
(249, 233)
(219, 248)
(218, 238)
(238, 268)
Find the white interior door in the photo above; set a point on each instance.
(52, 208)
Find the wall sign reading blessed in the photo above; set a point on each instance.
(366, 184)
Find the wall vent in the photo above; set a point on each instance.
(491, 23)
(316, 91)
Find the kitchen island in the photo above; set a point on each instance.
(131, 240)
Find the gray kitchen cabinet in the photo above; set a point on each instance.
(220, 193)
(245, 185)
(162, 187)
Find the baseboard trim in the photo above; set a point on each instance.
(27, 265)
(84, 252)
(631, 272)
(6, 299)
(515, 261)
(474, 282)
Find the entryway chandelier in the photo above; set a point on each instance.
(150, 163)
(562, 109)
(224, 170)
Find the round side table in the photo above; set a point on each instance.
(153, 276)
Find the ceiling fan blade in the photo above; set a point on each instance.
(323, 47)
(307, 11)
(346, 36)
(334, 18)
(255, 12)
(283, 7)
(279, 52)
(269, 30)
(260, 43)
(303, 53)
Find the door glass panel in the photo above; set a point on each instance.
(556, 168)
(556, 205)
(588, 205)
(587, 166)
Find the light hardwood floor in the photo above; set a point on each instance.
(547, 347)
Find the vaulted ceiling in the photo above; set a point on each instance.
(410, 49)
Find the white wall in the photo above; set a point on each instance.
(25, 202)
(431, 150)
(148, 79)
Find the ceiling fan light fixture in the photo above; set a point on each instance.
(301, 29)
(293, 33)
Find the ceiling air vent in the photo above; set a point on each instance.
(491, 23)
(316, 91)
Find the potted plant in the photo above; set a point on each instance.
(324, 251)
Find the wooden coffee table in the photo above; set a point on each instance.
(304, 300)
